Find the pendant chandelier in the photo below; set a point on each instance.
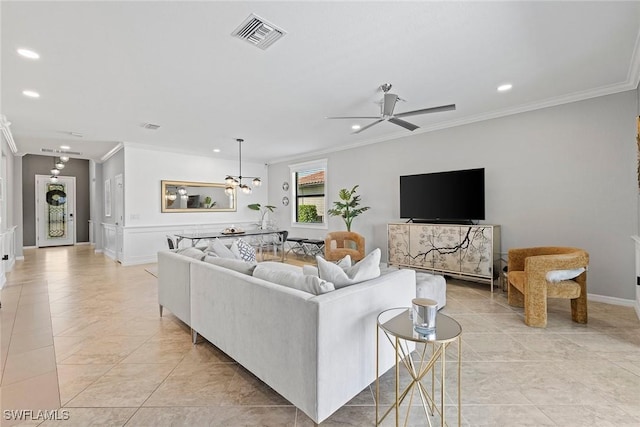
(234, 181)
(57, 167)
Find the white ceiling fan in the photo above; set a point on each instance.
(388, 104)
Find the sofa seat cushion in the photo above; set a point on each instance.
(293, 279)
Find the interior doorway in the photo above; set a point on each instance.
(55, 210)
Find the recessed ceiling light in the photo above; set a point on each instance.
(505, 87)
(65, 147)
(216, 150)
(355, 127)
(27, 53)
(31, 93)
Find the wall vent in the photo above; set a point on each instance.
(258, 32)
(150, 126)
(55, 151)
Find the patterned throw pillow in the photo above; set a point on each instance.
(246, 252)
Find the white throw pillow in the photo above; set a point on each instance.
(232, 264)
(345, 262)
(191, 253)
(244, 251)
(296, 280)
(220, 249)
(368, 268)
(560, 275)
(310, 270)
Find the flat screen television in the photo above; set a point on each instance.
(456, 196)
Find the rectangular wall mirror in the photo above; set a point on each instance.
(185, 196)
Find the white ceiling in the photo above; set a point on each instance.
(108, 67)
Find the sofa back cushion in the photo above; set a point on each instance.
(293, 279)
(191, 253)
(232, 264)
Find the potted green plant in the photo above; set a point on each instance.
(263, 210)
(207, 202)
(347, 207)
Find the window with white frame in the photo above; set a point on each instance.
(309, 181)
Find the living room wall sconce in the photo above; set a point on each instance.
(233, 181)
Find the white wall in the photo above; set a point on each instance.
(145, 169)
(145, 225)
(564, 175)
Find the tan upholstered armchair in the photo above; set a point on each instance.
(529, 287)
(339, 244)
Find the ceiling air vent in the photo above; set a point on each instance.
(258, 32)
(49, 150)
(150, 126)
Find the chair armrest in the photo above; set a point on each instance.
(546, 263)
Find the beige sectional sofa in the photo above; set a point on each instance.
(317, 351)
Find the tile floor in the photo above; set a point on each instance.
(81, 335)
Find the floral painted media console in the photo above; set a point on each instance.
(470, 252)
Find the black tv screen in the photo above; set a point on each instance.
(443, 196)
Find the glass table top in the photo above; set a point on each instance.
(397, 322)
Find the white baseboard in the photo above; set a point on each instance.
(20, 258)
(82, 243)
(29, 247)
(97, 251)
(612, 300)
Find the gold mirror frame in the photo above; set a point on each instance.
(195, 197)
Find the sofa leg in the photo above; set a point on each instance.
(194, 336)
(159, 305)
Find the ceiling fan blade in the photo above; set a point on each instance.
(368, 126)
(402, 123)
(428, 110)
(354, 117)
(388, 104)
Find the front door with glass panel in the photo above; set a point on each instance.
(55, 210)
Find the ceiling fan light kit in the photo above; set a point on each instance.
(234, 181)
(387, 107)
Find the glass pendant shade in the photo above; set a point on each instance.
(236, 181)
(182, 191)
(55, 172)
(64, 158)
(53, 179)
(60, 165)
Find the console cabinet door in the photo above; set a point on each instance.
(421, 245)
(399, 244)
(477, 251)
(446, 244)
